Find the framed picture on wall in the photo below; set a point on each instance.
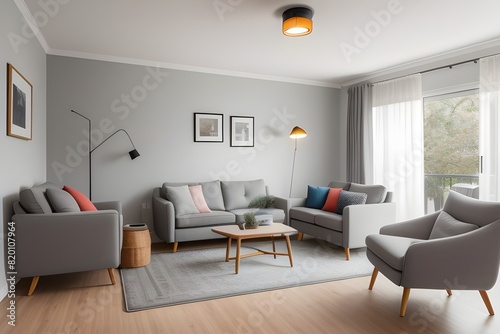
(242, 131)
(208, 127)
(19, 104)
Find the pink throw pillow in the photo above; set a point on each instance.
(199, 199)
(332, 200)
(83, 202)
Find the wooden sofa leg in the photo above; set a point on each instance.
(448, 291)
(486, 301)
(176, 244)
(374, 277)
(34, 282)
(347, 254)
(112, 276)
(300, 236)
(404, 301)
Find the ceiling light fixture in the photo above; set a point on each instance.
(297, 21)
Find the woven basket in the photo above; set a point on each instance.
(136, 250)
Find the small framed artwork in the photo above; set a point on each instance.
(208, 127)
(19, 104)
(242, 131)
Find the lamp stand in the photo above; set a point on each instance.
(90, 154)
(293, 168)
(133, 153)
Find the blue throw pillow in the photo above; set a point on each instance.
(350, 198)
(316, 196)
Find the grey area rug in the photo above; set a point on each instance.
(196, 275)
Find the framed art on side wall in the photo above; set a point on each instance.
(19, 104)
(208, 127)
(242, 131)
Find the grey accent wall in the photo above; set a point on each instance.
(156, 106)
(23, 162)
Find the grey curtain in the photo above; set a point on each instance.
(359, 113)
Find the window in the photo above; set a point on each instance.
(451, 146)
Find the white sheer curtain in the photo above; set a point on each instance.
(398, 143)
(489, 140)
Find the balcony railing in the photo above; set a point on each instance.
(437, 187)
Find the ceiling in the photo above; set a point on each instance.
(350, 39)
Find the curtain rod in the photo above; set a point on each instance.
(475, 60)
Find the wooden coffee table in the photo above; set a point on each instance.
(233, 232)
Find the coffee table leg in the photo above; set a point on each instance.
(237, 260)
(289, 247)
(228, 250)
(274, 246)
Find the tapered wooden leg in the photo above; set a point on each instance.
(112, 276)
(228, 248)
(300, 236)
(404, 301)
(374, 277)
(238, 255)
(274, 246)
(487, 302)
(289, 248)
(175, 246)
(347, 254)
(449, 292)
(34, 282)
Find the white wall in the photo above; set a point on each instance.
(23, 162)
(159, 118)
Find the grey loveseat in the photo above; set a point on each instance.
(52, 240)
(227, 202)
(350, 227)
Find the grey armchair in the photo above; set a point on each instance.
(49, 243)
(457, 248)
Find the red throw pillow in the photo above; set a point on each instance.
(332, 199)
(83, 202)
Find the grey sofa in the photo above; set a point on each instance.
(50, 243)
(350, 228)
(227, 201)
(456, 248)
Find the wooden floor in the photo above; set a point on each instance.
(88, 303)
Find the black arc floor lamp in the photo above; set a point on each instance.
(296, 133)
(133, 153)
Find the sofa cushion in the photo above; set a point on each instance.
(34, 200)
(213, 218)
(304, 214)
(83, 201)
(213, 195)
(347, 198)
(332, 200)
(62, 201)
(238, 194)
(390, 248)
(340, 184)
(211, 192)
(181, 199)
(447, 226)
(199, 199)
(329, 220)
(375, 193)
(316, 196)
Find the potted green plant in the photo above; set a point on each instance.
(250, 221)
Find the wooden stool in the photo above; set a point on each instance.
(136, 250)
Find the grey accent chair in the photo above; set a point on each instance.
(50, 243)
(457, 248)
